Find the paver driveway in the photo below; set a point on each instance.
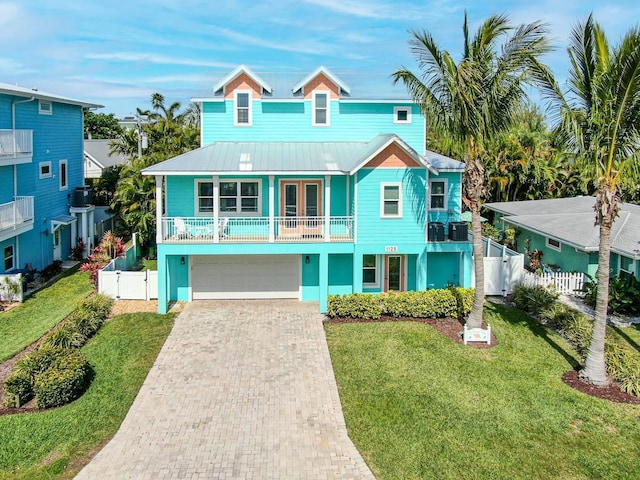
(242, 390)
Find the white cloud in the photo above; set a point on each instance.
(154, 58)
(371, 9)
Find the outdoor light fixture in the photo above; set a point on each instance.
(181, 260)
(307, 259)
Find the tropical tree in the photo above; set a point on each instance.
(600, 115)
(474, 99)
(100, 125)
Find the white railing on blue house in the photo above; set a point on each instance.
(13, 214)
(14, 143)
(256, 229)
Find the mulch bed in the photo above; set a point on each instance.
(452, 329)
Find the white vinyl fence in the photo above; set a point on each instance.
(503, 268)
(124, 285)
(565, 283)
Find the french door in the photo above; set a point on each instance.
(394, 273)
(301, 205)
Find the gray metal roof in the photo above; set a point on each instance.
(246, 158)
(572, 221)
(98, 151)
(442, 163)
(30, 92)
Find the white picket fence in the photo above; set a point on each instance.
(124, 285)
(563, 282)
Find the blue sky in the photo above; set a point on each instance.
(118, 53)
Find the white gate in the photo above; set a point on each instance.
(123, 285)
(503, 268)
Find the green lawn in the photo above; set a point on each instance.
(53, 444)
(23, 325)
(420, 407)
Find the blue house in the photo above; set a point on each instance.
(301, 191)
(41, 161)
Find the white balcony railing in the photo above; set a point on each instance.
(16, 213)
(16, 143)
(256, 229)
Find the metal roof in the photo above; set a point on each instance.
(247, 158)
(442, 163)
(572, 221)
(30, 92)
(98, 152)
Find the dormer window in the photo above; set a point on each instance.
(401, 114)
(243, 108)
(321, 109)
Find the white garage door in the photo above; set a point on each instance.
(245, 276)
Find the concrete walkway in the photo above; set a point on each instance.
(240, 390)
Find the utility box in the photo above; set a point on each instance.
(435, 231)
(459, 231)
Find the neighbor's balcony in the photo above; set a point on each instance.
(16, 146)
(16, 217)
(257, 229)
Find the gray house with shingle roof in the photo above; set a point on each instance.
(97, 158)
(564, 230)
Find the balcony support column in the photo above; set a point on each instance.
(159, 200)
(327, 208)
(324, 281)
(272, 209)
(216, 209)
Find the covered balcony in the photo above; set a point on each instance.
(16, 217)
(256, 229)
(16, 147)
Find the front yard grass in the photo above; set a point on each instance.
(23, 325)
(54, 444)
(419, 406)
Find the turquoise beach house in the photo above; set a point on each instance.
(41, 156)
(301, 190)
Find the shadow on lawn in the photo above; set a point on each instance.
(515, 316)
(628, 339)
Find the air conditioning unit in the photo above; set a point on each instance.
(459, 231)
(82, 196)
(435, 231)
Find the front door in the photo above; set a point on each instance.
(57, 246)
(394, 273)
(302, 208)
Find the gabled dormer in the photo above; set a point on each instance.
(321, 86)
(242, 86)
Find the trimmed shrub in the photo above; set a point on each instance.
(18, 389)
(533, 299)
(63, 382)
(355, 305)
(66, 336)
(91, 314)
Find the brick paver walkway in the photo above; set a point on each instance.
(240, 390)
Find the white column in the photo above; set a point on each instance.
(272, 209)
(92, 227)
(355, 208)
(85, 229)
(216, 209)
(159, 200)
(74, 231)
(327, 208)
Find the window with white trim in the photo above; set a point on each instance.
(438, 194)
(62, 173)
(370, 271)
(321, 109)
(626, 264)
(45, 169)
(391, 200)
(9, 258)
(204, 197)
(243, 113)
(401, 114)
(240, 197)
(45, 107)
(554, 244)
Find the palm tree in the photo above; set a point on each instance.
(600, 121)
(475, 99)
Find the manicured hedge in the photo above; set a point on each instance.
(623, 363)
(450, 302)
(57, 372)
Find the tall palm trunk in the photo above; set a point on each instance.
(595, 368)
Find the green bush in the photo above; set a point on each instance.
(623, 366)
(18, 389)
(624, 294)
(533, 299)
(63, 382)
(91, 314)
(424, 304)
(65, 336)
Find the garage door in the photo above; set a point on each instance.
(245, 276)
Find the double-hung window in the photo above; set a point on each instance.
(321, 109)
(370, 271)
(242, 196)
(438, 195)
(243, 114)
(9, 263)
(391, 200)
(204, 202)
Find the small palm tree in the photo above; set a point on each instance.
(600, 123)
(475, 99)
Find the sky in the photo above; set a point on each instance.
(118, 53)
